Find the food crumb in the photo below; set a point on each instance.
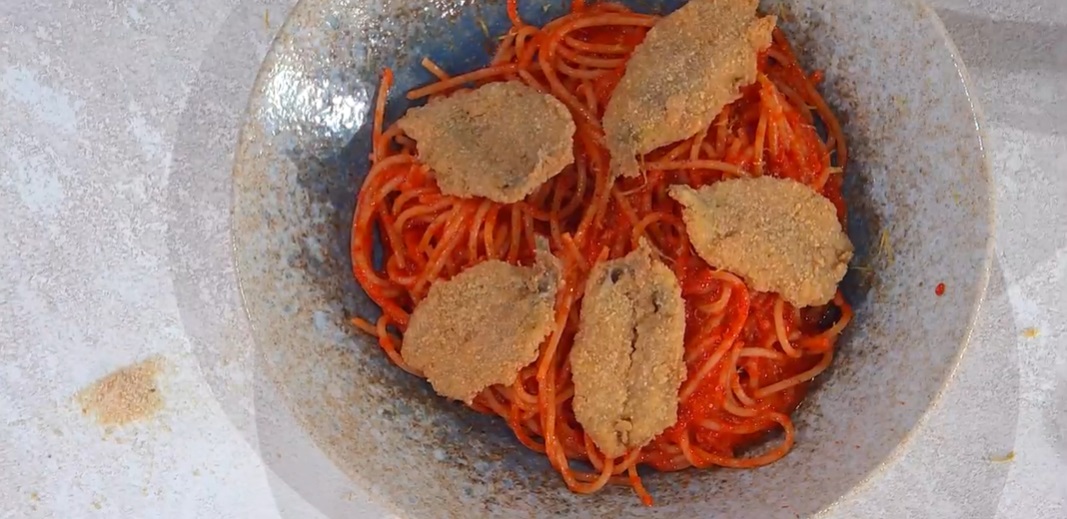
(1030, 332)
(124, 396)
(784, 12)
(901, 102)
(1010, 456)
(34, 496)
(885, 248)
(940, 289)
(266, 18)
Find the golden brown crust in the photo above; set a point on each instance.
(691, 64)
(499, 141)
(480, 327)
(780, 235)
(627, 360)
(124, 396)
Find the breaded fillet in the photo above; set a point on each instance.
(627, 360)
(480, 327)
(499, 141)
(691, 64)
(779, 235)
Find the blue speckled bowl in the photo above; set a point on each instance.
(918, 175)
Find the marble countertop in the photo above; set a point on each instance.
(96, 102)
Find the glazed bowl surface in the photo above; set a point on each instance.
(918, 186)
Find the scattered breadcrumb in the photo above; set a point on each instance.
(124, 396)
(901, 102)
(1030, 332)
(885, 247)
(499, 141)
(627, 360)
(691, 64)
(480, 327)
(1010, 456)
(784, 12)
(780, 235)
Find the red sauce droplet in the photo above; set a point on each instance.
(940, 290)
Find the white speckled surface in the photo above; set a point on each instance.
(103, 105)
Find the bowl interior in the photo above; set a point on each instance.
(918, 186)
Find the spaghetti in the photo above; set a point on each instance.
(749, 355)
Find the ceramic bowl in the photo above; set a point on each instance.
(918, 185)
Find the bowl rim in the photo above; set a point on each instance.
(245, 138)
(978, 117)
